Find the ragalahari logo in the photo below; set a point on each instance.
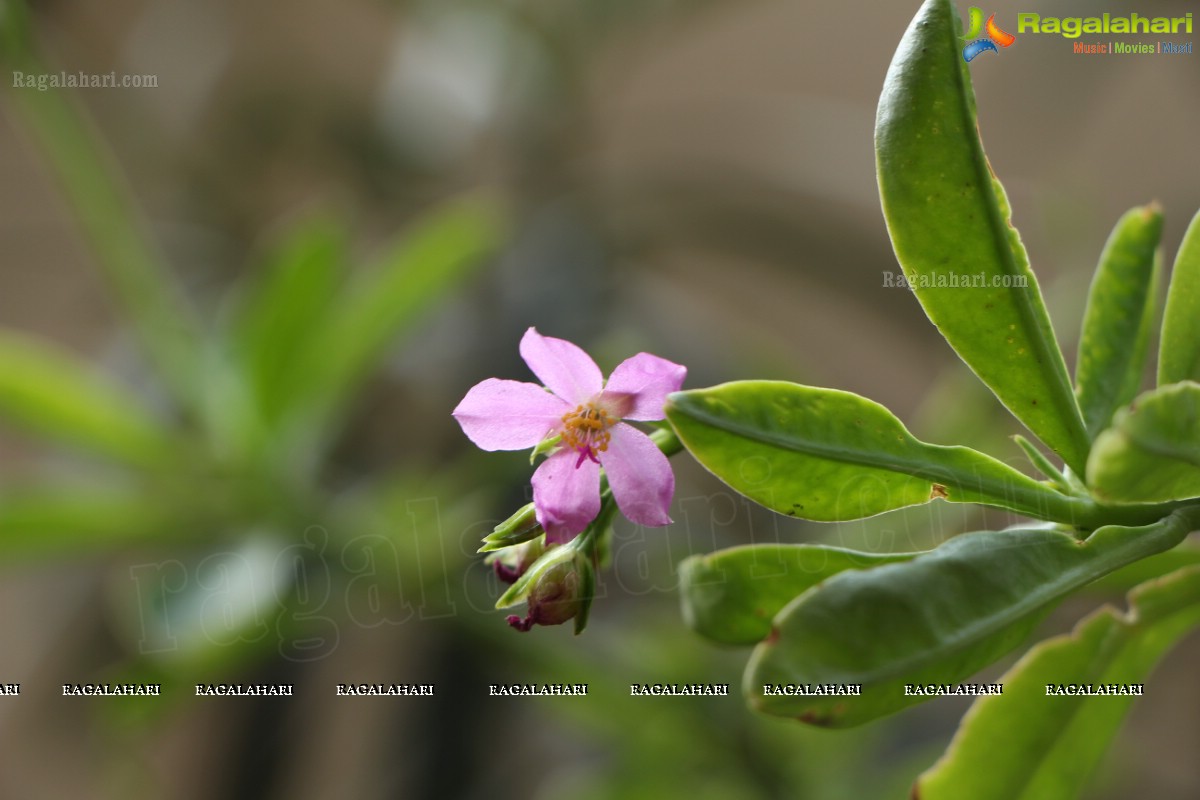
(977, 44)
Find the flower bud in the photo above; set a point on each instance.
(555, 597)
(512, 562)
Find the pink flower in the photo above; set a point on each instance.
(586, 412)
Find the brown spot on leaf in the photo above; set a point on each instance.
(812, 717)
(937, 490)
(773, 636)
(915, 794)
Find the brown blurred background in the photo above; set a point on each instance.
(691, 178)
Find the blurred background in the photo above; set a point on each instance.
(237, 308)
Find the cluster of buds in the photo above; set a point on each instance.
(556, 582)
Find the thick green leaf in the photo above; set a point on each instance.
(47, 391)
(828, 455)
(732, 595)
(1116, 324)
(1179, 347)
(1151, 454)
(1043, 748)
(934, 620)
(411, 279)
(949, 223)
(286, 310)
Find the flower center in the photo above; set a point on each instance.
(585, 430)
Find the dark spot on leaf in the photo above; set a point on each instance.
(773, 636)
(937, 490)
(791, 513)
(1035, 402)
(813, 718)
(915, 794)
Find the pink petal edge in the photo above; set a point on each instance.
(640, 476)
(645, 380)
(566, 498)
(563, 367)
(508, 415)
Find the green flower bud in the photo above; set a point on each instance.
(555, 597)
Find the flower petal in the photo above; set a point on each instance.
(508, 415)
(645, 380)
(566, 497)
(563, 367)
(640, 476)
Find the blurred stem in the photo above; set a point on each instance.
(154, 305)
(667, 441)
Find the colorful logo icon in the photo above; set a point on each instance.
(977, 44)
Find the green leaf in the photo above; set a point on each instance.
(74, 520)
(1116, 324)
(152, 301)
(1043, 465)
(828, 455)
(1037, 746)
(949, 223)
(210, 608)
(732, 595)
(1152, 451)
(45, 390)
(286, 311)
(413, 276)
(1179, 347)
(1147, 569)
(936, 619)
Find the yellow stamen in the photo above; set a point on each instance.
(586, 430)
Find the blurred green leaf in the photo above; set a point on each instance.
(1179, 347)
(70, 520)
(1037, 747)
(936, 619)
(1152, 451)
(286, 311)
(195, 609)
(49, 392)
(949, 221)
(732, 595)
(153, 303)
(828, 455)
(386, 302)
(1116, 324)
